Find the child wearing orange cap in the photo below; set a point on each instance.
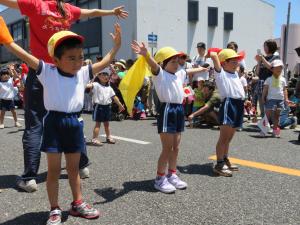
(231, 112)
(168, 82)
(64, 84)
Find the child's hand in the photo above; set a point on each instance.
(5, 36)
(121, 108)
(190, 118)
(258, 58)
(117, 35)
(139, 48)
(120, 12)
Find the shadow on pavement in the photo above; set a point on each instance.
(34, 218)
(110, 194)
(15, 131)
(295, 142)
(204, 169)
(260, 137)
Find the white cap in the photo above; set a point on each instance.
(276, 63)
(105, 70)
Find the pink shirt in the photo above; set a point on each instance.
(45, 20)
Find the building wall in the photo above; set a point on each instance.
(293, 42)
(129, 27)
(253, 23)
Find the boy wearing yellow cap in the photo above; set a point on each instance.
(63, 84)
(168, 82)
(231, 112)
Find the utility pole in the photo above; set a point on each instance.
(285, 44)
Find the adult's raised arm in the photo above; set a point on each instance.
(10, 3)
(118, 12)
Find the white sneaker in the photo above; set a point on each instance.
(17, 124)
(28, 186)
(176, 182)
(1, 126)
(294, 125)
(84, 173)
(163, 185)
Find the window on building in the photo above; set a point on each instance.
(228, 21)
(212, 16)
(17, 31)
(91, 53)
(193, 11)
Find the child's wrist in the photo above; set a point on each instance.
(147, 56)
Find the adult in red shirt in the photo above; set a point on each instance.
(45, 18)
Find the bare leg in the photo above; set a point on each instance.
(167, 141)
(54, 168)
(14, 114)
(72, 164)
(107, 130)
(174, 153)
(2, 114)
(226, 134)
(96, 130)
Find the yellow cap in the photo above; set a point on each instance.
(165, 53)
(60, 36)
(228, 54)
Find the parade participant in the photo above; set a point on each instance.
(46, 18)
(232, 94)
(7, 94)
(201, 60)
(64, 84)
(103, 95)
(168, 83)
(275, 95)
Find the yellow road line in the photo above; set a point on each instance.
(262, 166)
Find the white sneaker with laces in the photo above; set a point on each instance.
(162, 184)
(28, 186)
(84, 173)
(1, 126)
(177, 182)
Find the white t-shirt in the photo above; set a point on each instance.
(229, 85)
(275, 92)
(187, 65)
(102, 95)
(200, 61)
(243, 81)
(7, 90)
(62, 93)
(169, 87)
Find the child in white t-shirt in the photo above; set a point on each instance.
(103, 95)
(168, 83)
(275, 95)
(63, 93)
(232, 107)
(7, 94)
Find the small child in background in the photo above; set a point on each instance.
(103, 95)
(7, 94)
(275, 95)
(199, 97)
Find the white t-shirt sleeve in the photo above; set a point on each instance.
(41, 72)
(86, 74)
(268, 81)
(244, 81)
(111, 92)
(284, 82)
(159, 77)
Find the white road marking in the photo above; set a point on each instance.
(10, 117)
(128, 140)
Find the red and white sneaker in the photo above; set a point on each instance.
(54, 217)
(84, 210)
(276, 132)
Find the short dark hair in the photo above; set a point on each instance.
(4, 71)
(272, 46)
(210, 85)
(233, 44)
(201, 45)
(67, 44)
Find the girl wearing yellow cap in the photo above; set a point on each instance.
(232, 107)
(168, 82)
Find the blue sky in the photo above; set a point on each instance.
(281, 8)
(280, 11)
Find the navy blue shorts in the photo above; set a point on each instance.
(62, 132)
(7, 105)
(231, 112)
(170, 118)
(102, 113)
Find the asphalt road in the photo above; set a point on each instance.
(121, 182)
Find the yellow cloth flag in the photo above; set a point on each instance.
(133, 81)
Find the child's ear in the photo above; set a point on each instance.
(56, 61)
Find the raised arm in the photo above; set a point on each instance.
(97, 67)
(142, 50)
(118, 12)
(217, 65)
(10, 3)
